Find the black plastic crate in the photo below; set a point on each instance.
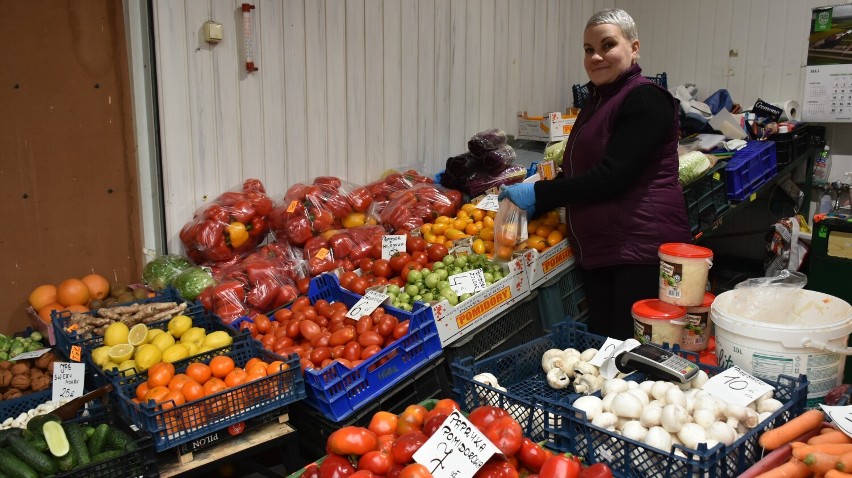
(561, 297)
(581, 93)
(517, 325)
(706, 198)
(314, 427)
(791, 145)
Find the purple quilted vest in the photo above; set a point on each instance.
(628, 228)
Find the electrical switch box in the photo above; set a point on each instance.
(213, 32)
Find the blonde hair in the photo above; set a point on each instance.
(617, 17)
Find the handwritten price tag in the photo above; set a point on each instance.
(75, 353)
(68, 380)
(489, 203)
(30, 355)
(469, 282)
(737, 386)
(367, 304)
(606, 351)
(392, 244)
(457, 449)
(840, 416)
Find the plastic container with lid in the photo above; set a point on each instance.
(683, 273)
(698, 328)
(658, 322)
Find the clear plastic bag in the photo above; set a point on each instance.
(342, 248)
(486, 141)
(509, 226)
(785, 279)
(483, 181)
(768, 298)
(497, 160)
(411, 208)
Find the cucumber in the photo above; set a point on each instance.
(118, 440)
(39, 443)
(38, 461)
(36, 422)
(76, 440)
(107, 455)
(4, 434)
(68, 461)
(13, 467)
(88, 431)
(55, 439)
(98, 440)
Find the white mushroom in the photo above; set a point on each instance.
(659, 438)
(634, 430)
(691, 434)
(699, 379)
(557, 378)
(651, 416)
(769, 405)
(704, 417)
(588, 354)
(551, 358)
(589, 404)
(605, 420)
(673, 417)
(486, 379)
(616, 385)
(588, 384)
(722, 433)
(627, 405)
(568, 363)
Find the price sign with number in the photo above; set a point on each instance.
(737, 386)
(469, 282)
(30, 355)
(606, 351)
(393, 244)
(367, 304)
(68, 380)
(489, 203)
(456, 449)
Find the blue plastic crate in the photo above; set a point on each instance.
(562, 296)
(198, 418)
(65, 339)
(16, 406)
(750, 168)
(338, 391)
(547, 414)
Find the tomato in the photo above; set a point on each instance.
(342, 336)
(335, 466)
(309, 329)
(598, 470)
(352, 351)
(386, 325)
(532, 455)
(401, 329)
(415, 244)
(406, 445)
(420, 257)
(506, 434)
(415, 470)
(252, 329)
(386, 442)
(362, 474)
(483, 416)
(497, 467)
(560, 466)
(311, 471)
(445, 406)
(434, 422)
(359, 285)
(397, 261)
(394, 471)
(378, 462)
(303, 284)
(436, 252)
(369, 351)
(382, 268)
(352, 440)
(383, 423)
(370, 338)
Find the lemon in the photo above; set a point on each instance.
(138, 335)
(179, 324)
(110, 366)
(127, 368)
(121, 352)
(204, 348)
(163, 341)
(153, 333)
(217, 339)
(195, 335)
(174, 353)
(191, 347)
(116, 334)
(101, 355)
(146, 356)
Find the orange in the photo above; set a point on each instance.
(221, 366)
(71, 292)
(157, 394)
(257, 367)
(142, 390)
(192, 390)
(276, 366)
(251, 362)
(42, 296)
(77, 308)
(97, 284)
(178, 381)
(256, 375)
(214, 385)
(235, 377)
(554, 237)
(44, 312)
(173, 399)
(160, 374)
(199, 372)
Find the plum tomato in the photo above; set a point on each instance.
(352, 440)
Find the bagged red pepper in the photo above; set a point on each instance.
(397, 180)
(342, 248)
(231, 226)
(411, 208)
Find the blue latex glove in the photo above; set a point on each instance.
(523, 195)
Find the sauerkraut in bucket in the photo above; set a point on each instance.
(683, 273)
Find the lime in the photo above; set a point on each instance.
(121, 352)
(101, 355)
(116, 334)
(195, 335)
(127, 368)
(153, 333)
(179, 324)
(146, 356)
(174, 353)
(163, 341)
(217, 339)
(55, 437)
(138, 335)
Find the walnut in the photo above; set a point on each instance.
(43, 361)
(34, 372)
(49, 369)
(40, 383)
(12, 393)
(20, 368)
(21, 382)
(5, 378)
(5, 365)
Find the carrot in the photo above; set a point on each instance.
(792, 469)
(836, 436)
(838, 449)
(844, 462)
(787, 432)
(827, 429)
(820, 462)
(836, 474)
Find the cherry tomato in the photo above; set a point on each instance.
(352, 440)
(406, 445)
(560, 466)
(378, 462)
(598, 470)
(506, 434)
(415, 470)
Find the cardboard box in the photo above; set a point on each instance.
(551, 127)
(456, 322)
(543, 266)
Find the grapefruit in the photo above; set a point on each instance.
(42, 296)
(72, 292)
(98, 286)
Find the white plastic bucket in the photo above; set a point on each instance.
(768, 331)
(697, 331)
(658, 322)
(683, 273)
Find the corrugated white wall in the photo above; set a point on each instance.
(351, 88)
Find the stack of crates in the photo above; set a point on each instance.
(561, 297)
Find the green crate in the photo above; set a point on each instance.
(561, 297)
